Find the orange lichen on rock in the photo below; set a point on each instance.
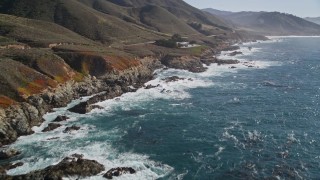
(6, 102)
(122, 63)
(36, 86)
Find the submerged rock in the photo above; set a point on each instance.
(72, 128)
(60, 118)
(69, 166)
(9, 153)
(235, 53)
(229, 61)
(118, 172)
(51, 127)
(149, 86)
(173, 79)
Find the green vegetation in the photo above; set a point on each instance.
(37, 33)
(166, 43)
(170, 43)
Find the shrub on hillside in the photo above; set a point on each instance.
(166, 43)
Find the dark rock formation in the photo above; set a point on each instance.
(51, 127)
(235, 53)
(190, 63)
(118, 172)
(70, 166)
(8, 153)
(71, 128)
(10, 166)
(209, 61)
(173, 79)
(60, 118)
(221, 62)
(149, 86)
(82, 108)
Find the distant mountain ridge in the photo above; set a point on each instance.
(313, 19)
(268, 23)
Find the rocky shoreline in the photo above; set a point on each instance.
(17, 120)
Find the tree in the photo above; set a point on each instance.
(177, 38)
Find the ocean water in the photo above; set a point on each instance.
(258, 120)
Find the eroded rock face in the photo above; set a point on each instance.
(118, 172)
(70, 166)
(17, 120)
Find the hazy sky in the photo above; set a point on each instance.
(302, 8)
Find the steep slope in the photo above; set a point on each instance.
(37, 33)
(270, 23)
(124, 21)
(163, 21)
(178, 8)
(313, 19)
(79, 18)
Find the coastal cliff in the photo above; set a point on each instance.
(19, 118)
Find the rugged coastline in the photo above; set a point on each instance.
(30, 113)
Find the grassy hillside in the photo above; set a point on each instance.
(19, 80)
(124, 21)
(37, 33)
(163, 21)
(269, 23)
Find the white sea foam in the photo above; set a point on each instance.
(165, 90)
(103, 152)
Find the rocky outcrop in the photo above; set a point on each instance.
(118, 172)
(74, 166)
(229, 61)
(8, 153)
(82, 108)
(190, 63)
(71, 128)
(150, 86)
(173, 79)
(60, 118)
(4, 168)
(51, 127)
(18, 119)
(235, 53)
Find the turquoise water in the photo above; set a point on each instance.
(243, 123)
